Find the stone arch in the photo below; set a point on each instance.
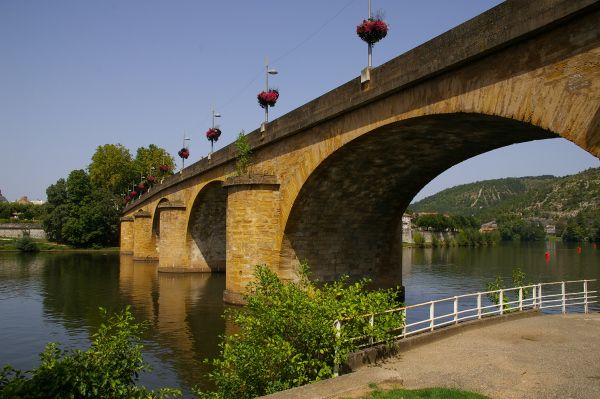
(205, 238)
(345, 218)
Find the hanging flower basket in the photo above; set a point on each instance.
(213, 134)
(133, 193)
(163, 168)
(268, 98)
(141, 186)
(184, 153)
(150, 179)
(127, 197)
(371, 31)
(124, 201)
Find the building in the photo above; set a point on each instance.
(2, 198)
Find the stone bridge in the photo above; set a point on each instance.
(331, 179)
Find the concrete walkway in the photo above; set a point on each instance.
(538, 357)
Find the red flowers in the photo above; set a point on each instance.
(150, 179)
(163, 168)
(268, 98)
(184, 153)
(127, 198)
(372, 31)
(213, 134)
(141, 186)
(133, 193)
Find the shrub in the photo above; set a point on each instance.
(418, 239)
(435, 240)
(287, 336)
(107, 370)
(26, 243)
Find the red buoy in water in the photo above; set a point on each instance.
(578, 249)
(547, 256)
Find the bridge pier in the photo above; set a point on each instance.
(173, 221)
(144, 246)
(253, 209)
(127, 235)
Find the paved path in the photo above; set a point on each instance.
(539, 357)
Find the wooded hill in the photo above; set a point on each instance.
(542, 196)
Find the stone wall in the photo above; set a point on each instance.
(16, 230)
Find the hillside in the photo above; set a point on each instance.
(545, 196)
(469, 199)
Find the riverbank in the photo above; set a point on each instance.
(537, 357)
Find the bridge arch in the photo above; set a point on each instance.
(206, 232)
(345, 218)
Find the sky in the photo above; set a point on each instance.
(76, 75)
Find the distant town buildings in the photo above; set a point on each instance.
(23, 200)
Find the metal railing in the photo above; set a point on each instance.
(550, 296)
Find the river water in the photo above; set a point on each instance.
(55, 297)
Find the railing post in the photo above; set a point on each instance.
(501, 302)
(336, 366)
(585, 295)
(432, 315)
(520, 298)
(372, 323)
(564, 298)
(404, 327)
(479, 305)
(534, 298)
(455, 310)
(540, 304)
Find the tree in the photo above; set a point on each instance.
(80, 214)
(287, 336)
(112, 168)
(57, 210)
(152, 157)
(573, 233)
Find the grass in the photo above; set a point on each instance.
(8, 244)
(426, 393)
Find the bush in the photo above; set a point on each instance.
(106, 370)
(435, 240)
(418, 239)
(26, 243)
(287, 336)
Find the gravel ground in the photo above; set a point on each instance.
(539, 357)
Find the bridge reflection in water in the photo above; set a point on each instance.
(185, 313)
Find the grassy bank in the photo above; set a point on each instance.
(7, 244)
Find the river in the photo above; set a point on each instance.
(55, 297)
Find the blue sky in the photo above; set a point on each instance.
(75, 75)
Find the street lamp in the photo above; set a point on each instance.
(370, 45)
(182, 147)
(269, 72)
(213, 126)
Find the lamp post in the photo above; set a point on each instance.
(142, 177)
(269, 72)
(213, 125)
(150, 175)
(370, 45)
(182, 158)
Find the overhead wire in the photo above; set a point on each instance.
(276, 60)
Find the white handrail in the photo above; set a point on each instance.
(563, 300)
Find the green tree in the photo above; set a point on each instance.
(152, 157)
(112, 168)
(287, 336)
(108, 369)
(57, 210)
(573, 232)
